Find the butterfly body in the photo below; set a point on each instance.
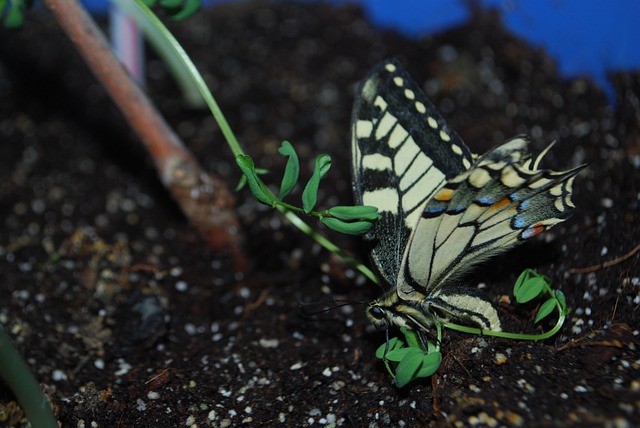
(443, 209)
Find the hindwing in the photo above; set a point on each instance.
(501, 200)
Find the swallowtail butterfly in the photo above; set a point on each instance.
(444, 209)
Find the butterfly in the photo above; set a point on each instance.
(443, 209)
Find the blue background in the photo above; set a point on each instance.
(585, 37)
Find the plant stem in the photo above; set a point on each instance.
(27, 390)
(212, 209)
(509, 335)
(327, 244)
(197, 78)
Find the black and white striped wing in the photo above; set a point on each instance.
(501, 200)
(403, 153)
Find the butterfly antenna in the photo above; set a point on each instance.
(386, 346)
(305, 307)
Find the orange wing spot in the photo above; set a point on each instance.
(443, 195)
(501, 204)
(533, 230)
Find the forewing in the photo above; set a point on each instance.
(501, 200)
(403, 152)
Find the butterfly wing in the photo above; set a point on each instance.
(501, 200)
(403, 152)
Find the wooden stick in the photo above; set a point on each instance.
(204, 198)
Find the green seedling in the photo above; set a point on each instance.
(409, 361)
(352, 220)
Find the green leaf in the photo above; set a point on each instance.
(310, 193)
(524, 276)
(359, 212)
(243, 180)
(561, 299)
(191, 7)
(530, 290)
(430, 364)
(388, 346)
(409, 366)
(352, 228)
(291, 171)
(563, 302)
(257, 187)
(545, 309)
(412, 338)
(14, 18)
(241, 183)
(14, 13)
(397, 354)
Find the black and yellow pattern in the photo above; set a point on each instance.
(443, 209)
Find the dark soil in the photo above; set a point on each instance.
(128, 319)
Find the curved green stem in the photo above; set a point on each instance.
(327, 244)
(506, 334)
(514, 336)
(196, 77)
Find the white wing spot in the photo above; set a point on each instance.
(538, 183)
(409, 94)
(376, 162)
(390, 68)
(380, 102)
(397, 137)
(420, 107)
(479, 177)
(364, 128)
(456, 149)
(384, 125)
(398, 81)
(432, 123)
(444, 136)
(559, 205)
(556, 190)
(511, 178)
(496, 166)
(568, 202)
(466, 163)
(384, 199)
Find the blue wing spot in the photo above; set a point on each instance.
(485, 200)
(514, 197)
(524, 204)
(519, 222)
(458, 209)
(433, 211)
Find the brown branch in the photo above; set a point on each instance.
(204, 198)
(606, 264)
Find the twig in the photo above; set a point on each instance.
(252, 306)
(606, 264)
(204, 198)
